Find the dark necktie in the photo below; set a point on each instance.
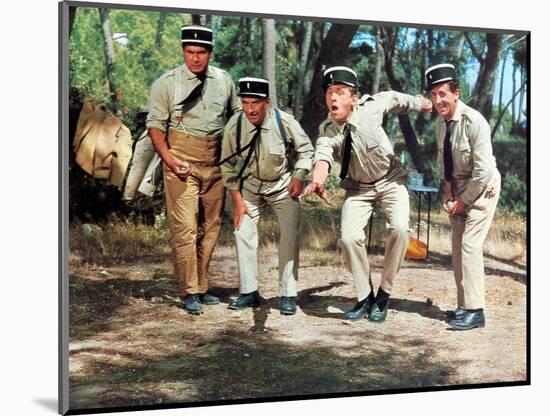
(346, 155)
(447, 153)
(252, 149)
(191, 99)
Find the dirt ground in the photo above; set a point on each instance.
(132, 344)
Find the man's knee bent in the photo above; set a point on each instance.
(399, 230)
(352, 239)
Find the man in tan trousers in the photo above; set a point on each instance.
(472, 188)
(370, 174)
(266, 156)
(188, 107)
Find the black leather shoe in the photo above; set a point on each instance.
(458, 313)
(471, 319)
(245, 300)
(209, 299)
(193, 305)
(360, 310)
(288, 306)
(379, 315)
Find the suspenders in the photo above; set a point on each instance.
(238, 138)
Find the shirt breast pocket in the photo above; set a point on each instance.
(277, 150)
(464, 152)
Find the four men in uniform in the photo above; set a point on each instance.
(266, 156)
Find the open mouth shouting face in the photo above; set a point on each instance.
(445, 100)
(340, 100)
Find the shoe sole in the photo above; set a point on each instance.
(194, 312)
(365, 316)
(210, 303)
(235, 308)
(458, 328)
(288, 313)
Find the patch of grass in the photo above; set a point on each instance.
(121, 240)
(117, 240)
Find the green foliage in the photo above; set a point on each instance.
(237, 51)
(513, 195)
(511, 156)
(137, 64)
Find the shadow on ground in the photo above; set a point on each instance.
(237, 364)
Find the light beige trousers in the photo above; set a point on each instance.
(393, 197)
(287, 209)
(469, 232)
(194, 209)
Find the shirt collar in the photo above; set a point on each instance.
(458, 111)
(353, 120)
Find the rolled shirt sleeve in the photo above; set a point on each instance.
(159, 106)
(399, 103)
(229, 146)
(302, 147)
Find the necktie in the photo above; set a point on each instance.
(347, 151)
(252, 148)
(447, 153)
(191, 99)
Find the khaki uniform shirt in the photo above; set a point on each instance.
(372, 154)
(473, 162)
(270, 161)
(218, 102)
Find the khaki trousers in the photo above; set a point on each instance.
(287, 210)
(393, 197)
(469, 232)
(194, 209)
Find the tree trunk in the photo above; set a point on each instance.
(252, 34)
(304, 55)
(430, 46)
(521, 95)
(316, 42)
(377, 63)
(196, 19)
(503, 111)
(160, 30)
(390, 41)
(501, 83)
(460, 46)
(109, 51)
(423, 64)
(485, 85)
(334, 51)
(514, 70)
(72, 16)
(269, 57)
(218, 21)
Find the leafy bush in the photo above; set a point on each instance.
(513, 194)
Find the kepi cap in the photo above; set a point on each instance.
(440, 73)
(339, 75)
(253, 87)
(196, 35)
